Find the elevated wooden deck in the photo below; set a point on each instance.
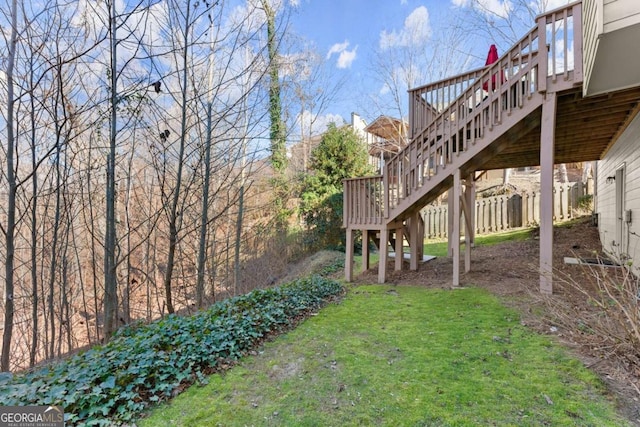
(526, 109)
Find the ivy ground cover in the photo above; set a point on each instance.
(109, 385)
(401, 356)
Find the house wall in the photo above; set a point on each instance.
(592, 23)
(621, 237)
(619, 14)
(611, 30)
(359, 124)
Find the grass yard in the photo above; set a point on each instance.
(438, 247)
(401, 356)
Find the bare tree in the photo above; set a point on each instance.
(414, 55)
(9, 229)
(111, 151)
(310, 87)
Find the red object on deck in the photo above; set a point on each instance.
(491, 58)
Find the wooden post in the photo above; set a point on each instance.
(466, 210)
(577, 44)
(547, 137)
(543, 55)
(450, 196)
(399, 248)
(384, 254)
(417, 240)
(471, 200)
(455, 235)
(365, 250)
(420, 236)
(348, 262)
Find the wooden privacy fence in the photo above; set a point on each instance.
(501, 213)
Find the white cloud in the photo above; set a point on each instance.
(337, 48)
(322, 122)
(317, 124)
(416, 30)
(345, 57)
(500, 8)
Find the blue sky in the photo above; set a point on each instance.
(348, 33)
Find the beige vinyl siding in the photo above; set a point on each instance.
(625, 153)
(619, 14)
(592, 27)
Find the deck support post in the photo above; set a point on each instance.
(384, 255)
(365, 250)
(455, 235)
(470, 192)
(348, 262)
(416, 236)
(421, 236)
(547, 138)
(399, 248)
(468, 206)
(450, 196)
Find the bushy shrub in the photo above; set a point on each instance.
(109, 384)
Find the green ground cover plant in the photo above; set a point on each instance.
(401, 356)
(108, 385)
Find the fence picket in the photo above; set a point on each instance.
(500, 213)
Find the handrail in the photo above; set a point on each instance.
(462, 76)
(427, 101)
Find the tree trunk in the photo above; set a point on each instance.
(237, 277)
(277, 130)
(33, 351)
(54, 250)
(110, 280)
(173, 215)
(204, 216)
(7, 334)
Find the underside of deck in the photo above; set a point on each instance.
(585, 128)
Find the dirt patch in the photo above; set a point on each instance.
(510, 271)
(289, 370)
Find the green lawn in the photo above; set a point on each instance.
(401, 356)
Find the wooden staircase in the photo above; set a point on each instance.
(495, 117)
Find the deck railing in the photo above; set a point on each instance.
(364, 201)
(449, 117)
(426, 102)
